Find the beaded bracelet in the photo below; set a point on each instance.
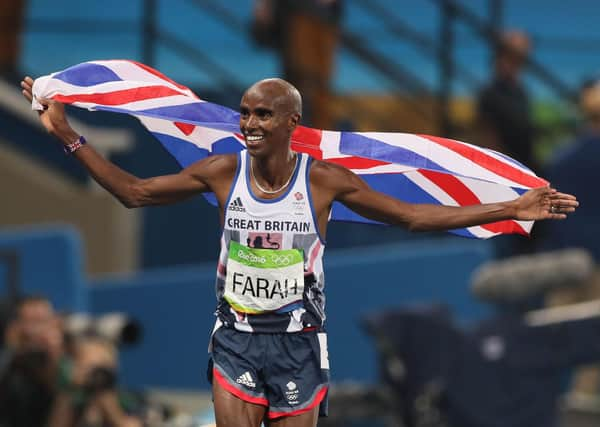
(71, 148)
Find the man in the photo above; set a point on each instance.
(576, 166)
(35, 352)
(269, 357)
(91, 398)
(504, 114)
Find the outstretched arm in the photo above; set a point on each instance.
(127, 188)
(347, 188)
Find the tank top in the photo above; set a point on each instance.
(270, 271)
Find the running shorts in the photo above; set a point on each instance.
(286, 372)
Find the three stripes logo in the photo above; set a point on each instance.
(237, 205)
(246, 379)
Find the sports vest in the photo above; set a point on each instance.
(270, 271)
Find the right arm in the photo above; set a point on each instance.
(203, 176)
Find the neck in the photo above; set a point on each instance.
(275, 169)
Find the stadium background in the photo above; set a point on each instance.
(62, 236)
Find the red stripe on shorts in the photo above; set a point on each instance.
(318, 398)
(237, 392)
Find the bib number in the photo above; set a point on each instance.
(264, 280)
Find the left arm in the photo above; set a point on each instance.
(353, 192)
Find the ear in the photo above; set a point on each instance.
(294, 121)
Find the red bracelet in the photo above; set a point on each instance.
(71, 148)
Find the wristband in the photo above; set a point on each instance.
(71, 148)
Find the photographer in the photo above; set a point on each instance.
(91, 399)
(34, 357)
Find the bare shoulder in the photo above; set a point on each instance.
(334, 177)
(217, 166)
(322, 171)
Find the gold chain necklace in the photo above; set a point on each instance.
(280, 188)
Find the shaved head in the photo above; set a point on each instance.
(285, 95)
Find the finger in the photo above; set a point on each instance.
(562, 208)
(25, 85)
(27, 95)
(28, 80)
(563, 196)
(565, 203)
(569, 203)
(558, 216)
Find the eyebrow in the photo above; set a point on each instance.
(258, 110)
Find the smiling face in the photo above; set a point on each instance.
(269, 113)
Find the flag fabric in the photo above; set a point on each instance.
(410, 167)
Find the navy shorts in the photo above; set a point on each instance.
(286, 372)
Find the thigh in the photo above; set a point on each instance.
(307, 419)
(231, 411)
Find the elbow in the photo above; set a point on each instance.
(133, 197)
(414, 222)
(415, 226)
(130, 204)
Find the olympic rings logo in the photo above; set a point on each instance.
(281, 259)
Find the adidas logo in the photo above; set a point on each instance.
(237, 205)
(246, 379)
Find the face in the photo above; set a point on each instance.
(38, 328)
(91, 355)
(34, 319)
(267, 119)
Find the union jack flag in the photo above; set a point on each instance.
(410, 167)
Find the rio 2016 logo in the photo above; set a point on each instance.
(251, 257)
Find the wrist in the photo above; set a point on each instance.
(512, 209)
(75, 145)
(66, 136)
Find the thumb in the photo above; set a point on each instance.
(45, 102)
(39, 103)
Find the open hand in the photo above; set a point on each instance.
(53, 115)
(544, 203)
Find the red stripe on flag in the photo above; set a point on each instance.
(311, 151)
(465, 197)
(186, 128)
(119, 97)
(308, 140)
(491, 163)
(307, 136)
(356, 162)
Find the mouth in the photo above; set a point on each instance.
(254, 140)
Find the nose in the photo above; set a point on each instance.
(251, 122)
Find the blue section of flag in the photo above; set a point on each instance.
(184, 152)
(361, 146)
(87, 74)
(227, 146)
(200, 113)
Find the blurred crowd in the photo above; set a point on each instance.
(49, 377)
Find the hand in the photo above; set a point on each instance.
(544, 203)
(53, 115)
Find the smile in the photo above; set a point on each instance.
(253, 139)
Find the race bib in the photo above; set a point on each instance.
(263, 280)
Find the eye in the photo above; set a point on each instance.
(264, 114)
(244, 113)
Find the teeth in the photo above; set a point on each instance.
(253, 138)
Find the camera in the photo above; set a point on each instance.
(117, 328)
